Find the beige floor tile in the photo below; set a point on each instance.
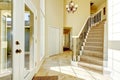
(60, 65)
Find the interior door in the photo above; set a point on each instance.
(53, 40)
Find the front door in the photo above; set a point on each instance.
(23, 40)
(16, 40)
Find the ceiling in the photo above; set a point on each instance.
(97, 3)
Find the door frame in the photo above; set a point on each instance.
(30, 5)
(18, 35)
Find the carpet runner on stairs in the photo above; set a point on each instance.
(92, 57)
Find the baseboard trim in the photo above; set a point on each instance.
(39, 65)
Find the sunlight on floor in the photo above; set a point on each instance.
(60, 65)
(72, 71)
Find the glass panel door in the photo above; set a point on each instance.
(28, 41)
(5, 40)
(16, 41)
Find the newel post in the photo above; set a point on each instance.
(75, 48)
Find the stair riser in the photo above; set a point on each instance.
(99, 25)
(99, 55)
(94, 40)
(95, 33)
(93, 49)
(99, 70)
(97, 36)
(97, 29)
(97, 62)
(101, 37)
(94, 44)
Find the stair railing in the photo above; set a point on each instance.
(78, 41)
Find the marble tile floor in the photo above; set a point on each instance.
(60, 65)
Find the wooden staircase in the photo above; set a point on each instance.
(92, 51)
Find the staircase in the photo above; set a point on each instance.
(92, 51)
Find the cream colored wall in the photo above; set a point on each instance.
(54, 18)
(54, 13)
(77, 19)
(37, 6)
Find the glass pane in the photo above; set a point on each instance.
(5, 40)
(29, 57)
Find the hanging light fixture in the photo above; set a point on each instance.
(71, 7)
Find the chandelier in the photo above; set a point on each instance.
(71, 7)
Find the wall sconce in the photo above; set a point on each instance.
(71, 7)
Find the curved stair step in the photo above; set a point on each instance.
(93, 60)
(92, 67)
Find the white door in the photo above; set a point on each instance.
(17, 23)
(53, 40)
(5, 41)
(23, 40)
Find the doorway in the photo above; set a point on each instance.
(67, 38)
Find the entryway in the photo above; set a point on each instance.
(67, 38)
(60, 66)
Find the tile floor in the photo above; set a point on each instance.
(60, 65)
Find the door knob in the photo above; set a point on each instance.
(17, 43)
(18, 51)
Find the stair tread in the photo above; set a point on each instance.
(95, 35)
(93, 58)
(90, 65)
(92, 51)
(94, 42)
(94, 38)
(94, 46)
